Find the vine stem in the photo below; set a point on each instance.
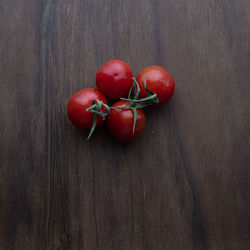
(134, 104)
(96, 109)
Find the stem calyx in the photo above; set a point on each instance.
(136, 103)
(96, 109)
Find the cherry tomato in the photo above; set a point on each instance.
(79, 102)
(114, 79)
(158, 81)
(120, 122)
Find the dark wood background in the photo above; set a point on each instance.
(184, 184)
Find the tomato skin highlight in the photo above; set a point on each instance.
(114, 79)
(159, 81)
(79, 102)
(120, 122)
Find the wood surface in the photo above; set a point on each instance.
(183, 184)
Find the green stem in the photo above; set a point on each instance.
(135, 103)
(148, 98)
(135, 118)
(93, 126)
(96, 109)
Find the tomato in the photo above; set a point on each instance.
(114, 79)
(79, 102)
(158, 81)
(120, 122)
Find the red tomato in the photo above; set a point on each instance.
(79, 102)
(120, 122)
(158, 81)
(114, 79)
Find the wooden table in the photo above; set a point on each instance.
(183, 184)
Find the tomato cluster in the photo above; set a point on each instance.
(88, 108)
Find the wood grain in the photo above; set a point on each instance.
(184, 184)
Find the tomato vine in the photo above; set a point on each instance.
(134, 104)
